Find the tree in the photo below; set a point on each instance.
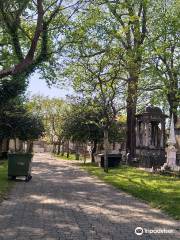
(11, 91)
(163, 48)
(97, 79)
(130, 31)
(117, 28)
(29, 30)
(51, 111)
(17, 122)
(81, 124)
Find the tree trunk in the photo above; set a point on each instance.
(131, 119)
(29, 58)
(1, 143)
(20, 146)
(54, 148)
(77, 156)
(62, 152)
(77, 152)
(68, 149)
(84, 150)
(173, 104)
(106, 148)
(7, 145)
(29, 146)
(93, 151)
(173, 92)
(59, 148)
(114, 145)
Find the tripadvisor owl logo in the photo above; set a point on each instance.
(139, 231)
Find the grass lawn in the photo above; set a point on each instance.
(71, 157)
(160, 191)
(4, 183)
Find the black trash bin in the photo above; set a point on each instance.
(113, 160)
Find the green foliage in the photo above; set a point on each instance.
(84, 122)
(81, 123)
(51, 111)
(161, 74)
(33, 35)
(79, 119)
(17, 122)
(140, 37)
(29, 127)
(10, 89)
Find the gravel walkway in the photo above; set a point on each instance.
(62, 202)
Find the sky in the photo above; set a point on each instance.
(39, 86)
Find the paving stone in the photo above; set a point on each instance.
(62, 202)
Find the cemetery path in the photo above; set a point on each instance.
(62, 202)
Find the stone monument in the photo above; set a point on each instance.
(150, 137)
(171, 149)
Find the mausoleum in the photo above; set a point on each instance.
(150, 137)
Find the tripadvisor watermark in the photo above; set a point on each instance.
(140, 231)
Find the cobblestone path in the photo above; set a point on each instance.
(62, 202)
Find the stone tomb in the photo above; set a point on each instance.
(150, 137)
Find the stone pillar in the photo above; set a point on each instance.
(162, 134)
(137, 133)
(171, 156)
(155, 135)
(147, 134)
(143, 134)
(171, 150)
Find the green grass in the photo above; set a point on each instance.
(71, 157)
(4, 183)
(160, 191)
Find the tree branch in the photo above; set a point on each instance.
(28, 60)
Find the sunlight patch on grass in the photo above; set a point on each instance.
(160, 191)
(71, 157)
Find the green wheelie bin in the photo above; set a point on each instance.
(19, 164)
